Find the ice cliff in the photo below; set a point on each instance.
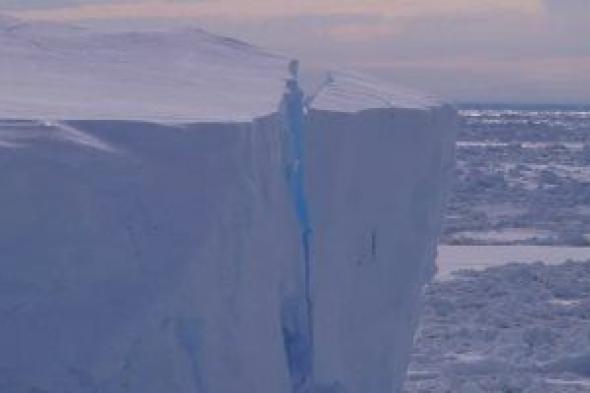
(177, 216)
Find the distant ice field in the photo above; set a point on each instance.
(519, 327)
(522, 178)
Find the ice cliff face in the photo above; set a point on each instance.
(176, 220)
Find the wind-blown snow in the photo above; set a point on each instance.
(175, 220)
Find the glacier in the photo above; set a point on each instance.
(179, 217)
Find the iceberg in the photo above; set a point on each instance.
(179, 216)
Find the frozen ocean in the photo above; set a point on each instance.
(509, 310)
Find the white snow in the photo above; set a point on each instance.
(50, 71)
(349, 92)
(153, 75)
(152, 202)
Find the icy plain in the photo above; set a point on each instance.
(176, 220)
(507, 313)
(512, 328)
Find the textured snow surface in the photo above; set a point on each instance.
(512, 328)
(51, 71)
(166, 242)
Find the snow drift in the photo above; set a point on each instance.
(175, 220)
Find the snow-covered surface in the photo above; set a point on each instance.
(164, 241)
(349, 92)
(451, 259)
(56, 72)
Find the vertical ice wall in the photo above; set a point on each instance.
(377, 209)
(145, 258)
(187, 236)
(159, 265)
(376, 183)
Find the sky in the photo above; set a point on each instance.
(535, 51)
